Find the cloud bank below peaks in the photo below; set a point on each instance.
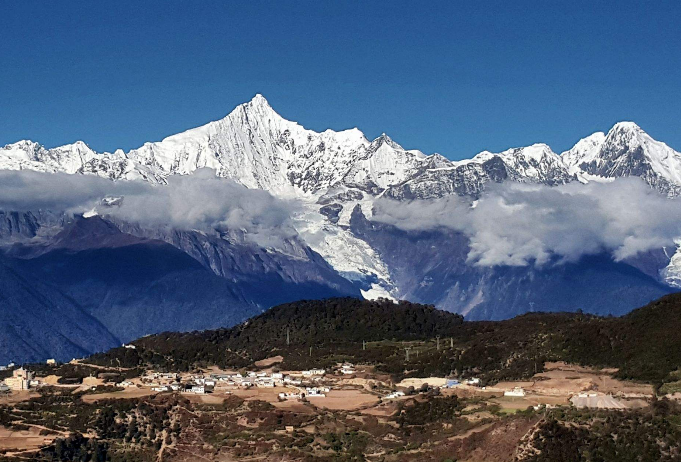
(518, 224)
(200, 201)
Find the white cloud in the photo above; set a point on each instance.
(518, 224)
(199, 201)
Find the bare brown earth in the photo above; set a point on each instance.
(269, 361)
(345, 400)
(17, 396)
(496, 443)
(271, 395)
(23, 440)
(560, 381)
(127, 393)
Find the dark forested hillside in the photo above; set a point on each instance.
(330, 323)
(643, 345)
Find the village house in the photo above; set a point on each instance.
(198, 389)
(347, 369)
(292, 381)
(452, 383)
(313, 372)
(20, 379)
(317, 391)
(516, 392)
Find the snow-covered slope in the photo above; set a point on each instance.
(253, 145)
(332, 172)
(531, 164)
(626, 151)
(260, 149)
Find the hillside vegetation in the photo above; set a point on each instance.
(644, 345)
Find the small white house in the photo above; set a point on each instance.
(319, 392)
(516, 392)
(312, 372)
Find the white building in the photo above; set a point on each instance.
(312, 372)
(20, 379)
(517, 392)
(292, 381)
(394, 394)
(316, 391)
(198, 389)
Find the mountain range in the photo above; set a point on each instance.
(131, 279)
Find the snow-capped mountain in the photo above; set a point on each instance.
(253, 145)
(333, 172)
(531, 164)
(625, 151)
(258, 148)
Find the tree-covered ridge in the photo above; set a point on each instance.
(350, 319)
(643, 345)
(334, 322)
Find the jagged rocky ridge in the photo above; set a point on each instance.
(258, 148)
(337, 176)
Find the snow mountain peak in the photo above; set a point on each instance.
(258, 148)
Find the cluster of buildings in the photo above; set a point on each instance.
(347, 369)
(21, 380)
(310, 392)
(201, 384)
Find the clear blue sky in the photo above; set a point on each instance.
(448, 77)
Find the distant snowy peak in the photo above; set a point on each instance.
(531, 164)
(584, 151)
(626, 151)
